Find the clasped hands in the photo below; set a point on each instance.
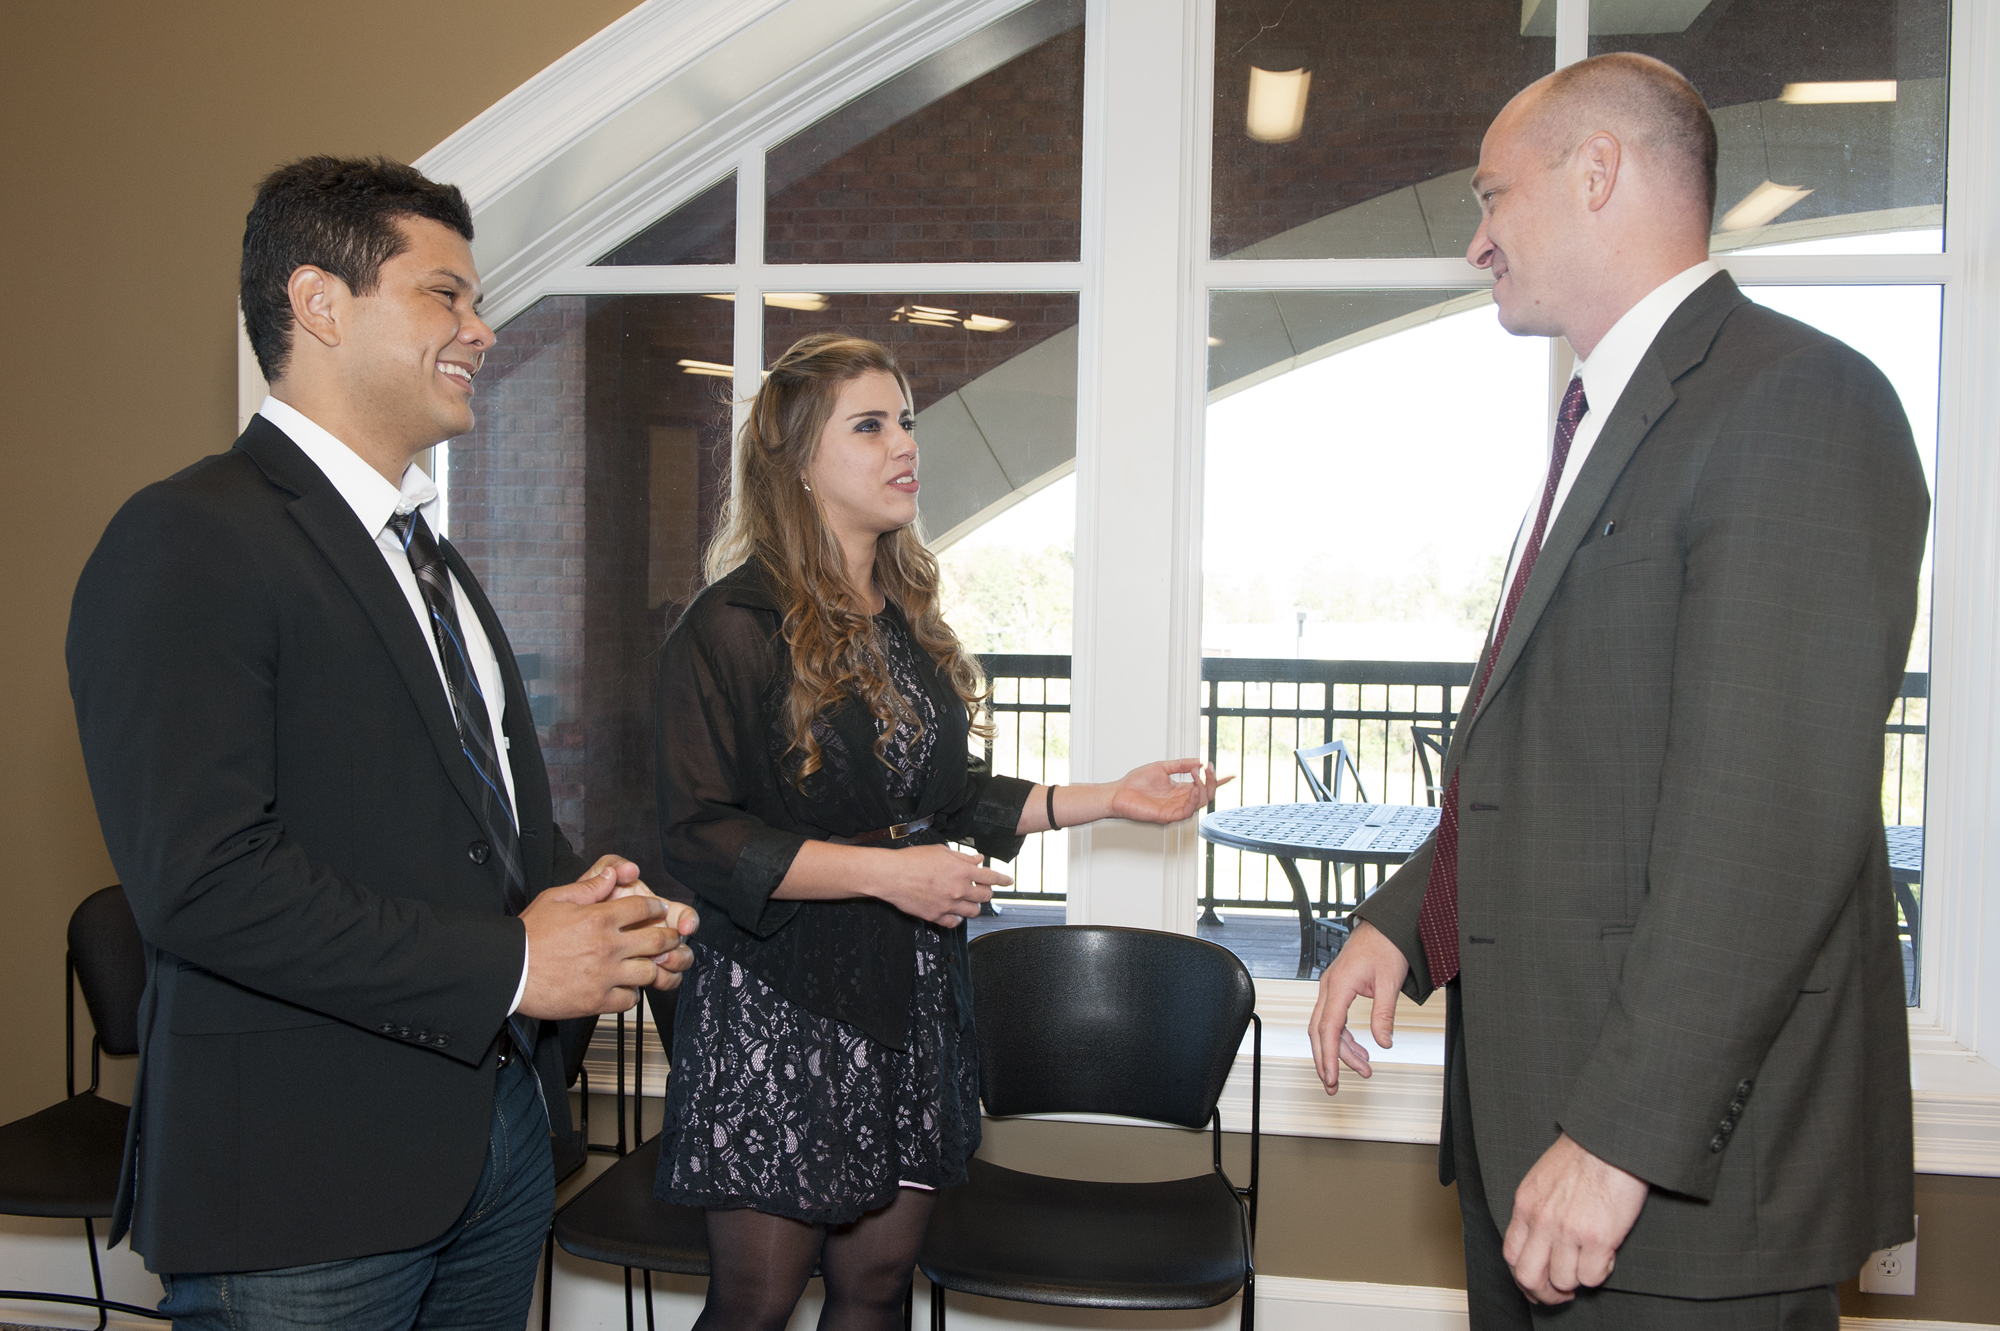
(595, 943)
(1571, 1211)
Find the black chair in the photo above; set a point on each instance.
(1340, 758)
(616, 1219)
(1098, 1020)
(568, 1153)
(1432, 742)
(63, 1161)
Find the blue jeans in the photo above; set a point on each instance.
(477, 1276)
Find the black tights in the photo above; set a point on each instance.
(759, 1265)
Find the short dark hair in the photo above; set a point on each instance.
(1646, 95)
(336, 213)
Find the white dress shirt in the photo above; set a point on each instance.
(374, 502)
(1605, 374)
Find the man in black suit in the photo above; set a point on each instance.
(316, 773)
(1676, 1081)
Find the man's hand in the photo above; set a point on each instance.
(1370, 966)
(593, 944)
(1570, 1214)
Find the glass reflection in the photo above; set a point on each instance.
(1830, 113)
(975, 153)
(1351, 131)
(582, 499)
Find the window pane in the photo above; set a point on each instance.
(974, 153)
(1369, 456)
(1351, 131)
(702, 230)
(1900, 329)
(1830, 113)
(582, 499)
(994, 377)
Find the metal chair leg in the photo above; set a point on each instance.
(628, 1299)
(1249, 1317)
(937, 1307)
(96, 1274)
(548, 1274)
(649, 1301)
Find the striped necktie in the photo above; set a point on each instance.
(468, 703)
(1437, 917)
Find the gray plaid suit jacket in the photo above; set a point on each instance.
(1676, 924)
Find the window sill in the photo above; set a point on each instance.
(1957, 1093)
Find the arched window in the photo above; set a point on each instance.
(1222, 445)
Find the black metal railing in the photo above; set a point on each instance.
(1256, 712)
(1028, 703)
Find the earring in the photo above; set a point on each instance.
(802, 481)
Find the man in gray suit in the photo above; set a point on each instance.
(1659, 896)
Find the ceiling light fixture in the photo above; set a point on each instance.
(715, 368)
(784, 300)
(1277, 112)
(1761, 205)
(1809, 94)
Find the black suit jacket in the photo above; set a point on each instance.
(1677, 934)
(280, 783)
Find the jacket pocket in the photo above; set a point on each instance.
(203, 1003)
(1612, 942)
(1614, 552)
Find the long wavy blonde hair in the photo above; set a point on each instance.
(769, 515)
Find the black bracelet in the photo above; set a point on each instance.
(1054, 826)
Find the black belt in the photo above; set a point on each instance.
(887, 835)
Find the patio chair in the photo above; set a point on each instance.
(1099, 1020)
(1431, 742)
(1339, 758)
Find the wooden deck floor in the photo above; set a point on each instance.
(1267, 941)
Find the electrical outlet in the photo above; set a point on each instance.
(1892, 1270)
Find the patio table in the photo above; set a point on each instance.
(1341, 833)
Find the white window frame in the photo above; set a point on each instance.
(677, 93)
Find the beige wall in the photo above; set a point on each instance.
(134, 134)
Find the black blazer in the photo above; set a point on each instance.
(280, 784)
(732, 819)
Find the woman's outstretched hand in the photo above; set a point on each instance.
(1149, 794)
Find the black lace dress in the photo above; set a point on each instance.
(782, 1109)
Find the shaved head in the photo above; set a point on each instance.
(1646, 104)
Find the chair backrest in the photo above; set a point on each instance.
(1341, 758)
(110, 960)
(1431, 742)
(1093, 1019)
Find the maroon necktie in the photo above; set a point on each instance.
(1437, 920)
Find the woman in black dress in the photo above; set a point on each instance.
(813, 722)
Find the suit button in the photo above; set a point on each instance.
(1742, 1089)
(478, 852)
(1726, 1127)
(387, 1028)
(403, 1032)
(423, 1037)
(440, 1042)
(1715, 1144)
(1735, 1108)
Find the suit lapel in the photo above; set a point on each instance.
(1682, 344)
(330, 524)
